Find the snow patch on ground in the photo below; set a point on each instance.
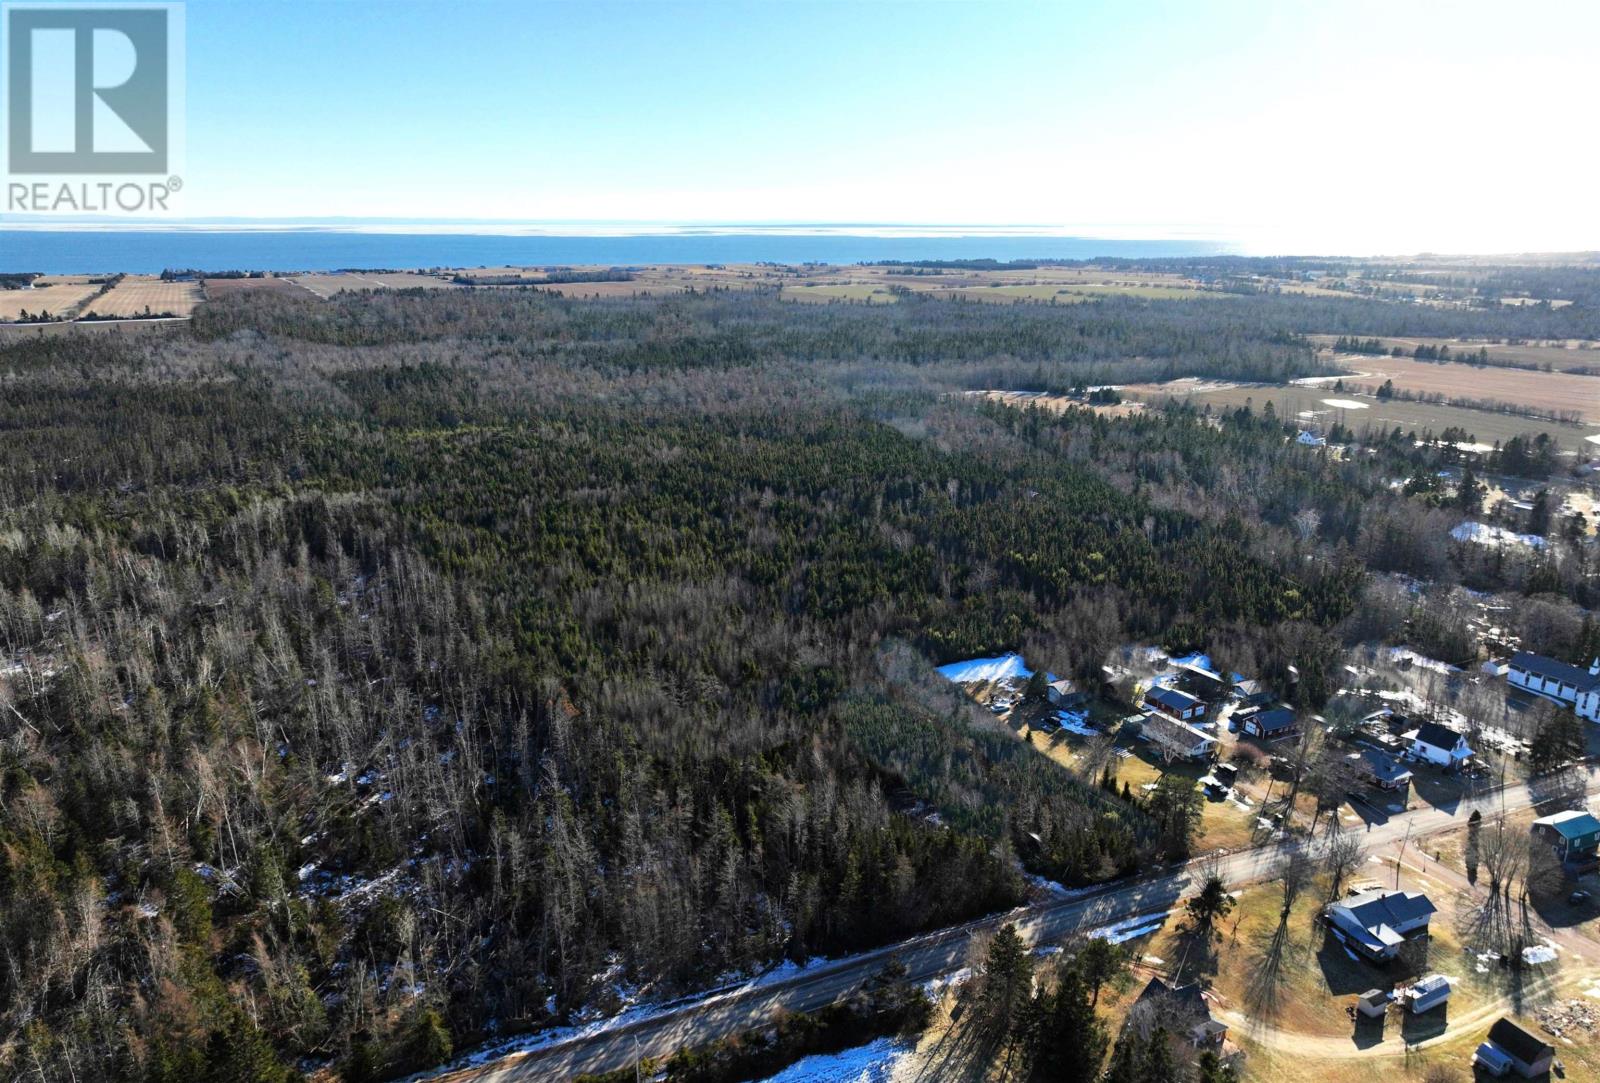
(980, 670)
(1484, 534)
(935, 987)
(1539, 954)
(1052, 888)
(1076, 722)
(1344, 404)
(874, 1062)
(1132, 928)
(1399, 655)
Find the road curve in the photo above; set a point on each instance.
(720, 1014)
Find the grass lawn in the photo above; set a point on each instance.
(1223, 825)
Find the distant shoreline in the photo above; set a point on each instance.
(86, 250)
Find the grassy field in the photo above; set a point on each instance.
(1310, 404)
(137, 295)
(61, 297)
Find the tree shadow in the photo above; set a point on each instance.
(1265, 988)
(964, 1050)
(1197, 953)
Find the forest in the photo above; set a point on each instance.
(384, 674)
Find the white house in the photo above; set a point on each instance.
(1438, 745)
(1377, 923)
(1178, 739)
(1566, 684)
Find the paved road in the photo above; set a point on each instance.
(932, 955)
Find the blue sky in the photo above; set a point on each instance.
(1417, 125)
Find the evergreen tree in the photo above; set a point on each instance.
(1007, 978)
(1213, 1070)
(1211, 905)
(1071, 1041)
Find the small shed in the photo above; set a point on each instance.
(1373, 1003)
(1425, 994)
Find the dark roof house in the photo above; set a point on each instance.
(1175, 703)
(1181, 1009)
(1377, 923)
(1278, 722)
(1438, 744)
(1530, 1054)
(1574, 835)
(1381, 769)
(1553, 671)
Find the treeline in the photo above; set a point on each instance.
(552, 277)
(188, 274)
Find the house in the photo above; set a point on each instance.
(1179, 1009)
(1200, 682)
(1574, 836)
(1252, 693)
(1270, 725)
(1064, 693)
(1377, 923)
(1178, 740)
(1311, 439)
(1175, 704)
(1529, 1054)
(1380, 769)
(1438, 745)
(1576, 688)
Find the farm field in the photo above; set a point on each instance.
(60, 298)
(141, 295)
(404, 280)
(838, 291)
(1320, 405)
(221, 287)
(1549, 391)
(1558, 355)
(327, 285)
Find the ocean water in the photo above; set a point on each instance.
(151, 251)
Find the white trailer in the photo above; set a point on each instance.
(1492, 1059)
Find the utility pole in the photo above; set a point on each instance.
(1402, 855)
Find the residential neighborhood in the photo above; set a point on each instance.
(1397, 743)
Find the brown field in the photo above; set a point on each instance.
(326, 285)
(1545, 391)
(409, 281)
(1559, 355)
(221, 287)
(61, 298)
(138, 295)
(1307, 404)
